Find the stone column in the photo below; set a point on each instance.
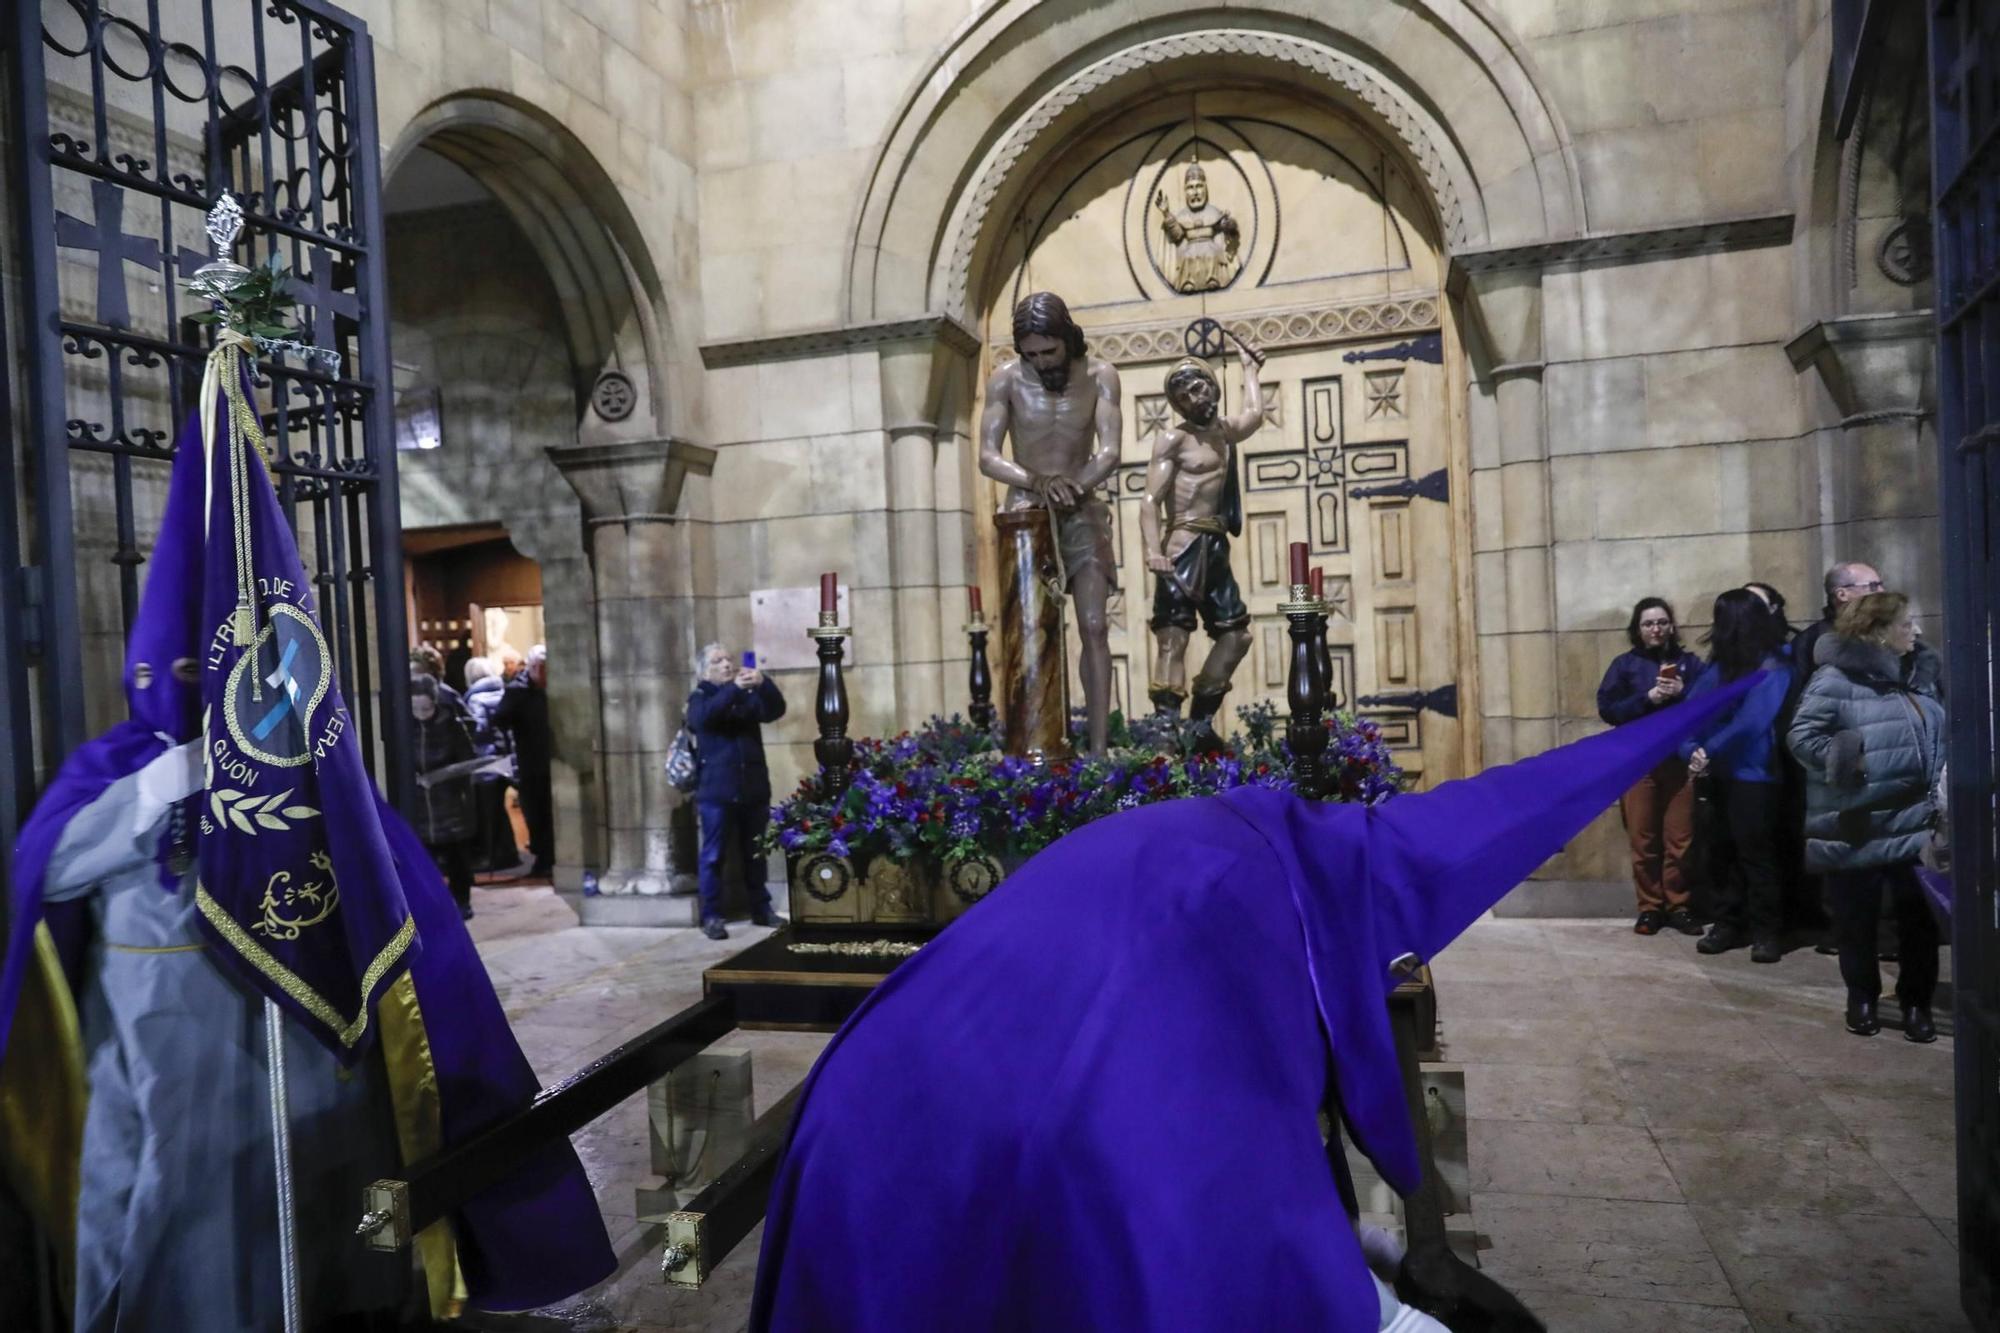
(1877, 463)
(915, 376)
(1521, 625)
(640, 567)
(1512, 570)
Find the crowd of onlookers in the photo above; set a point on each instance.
(1810, 803)
(481, 731)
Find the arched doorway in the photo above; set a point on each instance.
(532, 354)
(1336, 273)
(485, 384)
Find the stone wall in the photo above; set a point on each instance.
(1678, 369)
(1688, 356)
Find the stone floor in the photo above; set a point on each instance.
(1658, 1141)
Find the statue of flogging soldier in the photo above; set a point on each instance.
(1193, 506)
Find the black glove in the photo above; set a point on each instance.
(1460, 1297)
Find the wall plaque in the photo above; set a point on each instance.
(779, 619)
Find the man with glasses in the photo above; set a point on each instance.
(1844, 582)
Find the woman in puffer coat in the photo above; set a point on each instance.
(1870, 735)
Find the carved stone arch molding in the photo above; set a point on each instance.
(1443, 78)
(1072, 101)
(572, 212)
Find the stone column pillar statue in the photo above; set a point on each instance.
(1061, 409)
(645, 638)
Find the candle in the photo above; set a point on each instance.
(972, 600)
(829, 593)
(1316, 581)
(1298, 563)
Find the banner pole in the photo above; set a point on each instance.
(281, 1142)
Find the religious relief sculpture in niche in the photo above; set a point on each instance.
(1193, 506)
(1062, 409)
(1204, 239)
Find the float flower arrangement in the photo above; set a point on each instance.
(946, 794)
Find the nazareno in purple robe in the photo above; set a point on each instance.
(1093, 1102)
(529, 1240)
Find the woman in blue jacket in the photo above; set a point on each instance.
(1659, 809)
(727, 713)
(1741, 755)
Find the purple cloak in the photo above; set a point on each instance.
(1093, 1102)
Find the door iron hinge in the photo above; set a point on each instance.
(1431, 486)
(1443, 700)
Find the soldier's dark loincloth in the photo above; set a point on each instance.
(1203, 569)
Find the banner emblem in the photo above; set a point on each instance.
(276, 688)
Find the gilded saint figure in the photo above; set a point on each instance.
(1202, 239)
(1193, 506)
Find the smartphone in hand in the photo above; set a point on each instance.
(1671, 671)
(749, 659)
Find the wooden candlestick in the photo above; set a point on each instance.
(833, 749)
(1305, 690)
(1323, 660)
(980, 679)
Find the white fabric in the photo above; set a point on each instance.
(1382, 1250)
(172, 777)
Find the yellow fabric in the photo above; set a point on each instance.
(42, 1098)
(413, 1089)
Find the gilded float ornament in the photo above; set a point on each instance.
(825, 876)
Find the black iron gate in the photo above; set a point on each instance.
(124, 121)
(127, 118)
(1965, 128)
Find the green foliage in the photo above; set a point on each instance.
(257, 305)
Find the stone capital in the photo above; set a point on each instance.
(1873, 365)
(917, 376)
(1505, 308)
(631, 480)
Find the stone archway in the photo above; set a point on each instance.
(587, 241)
(616, 566)
(1443, 76)
(1467, 105)
(1359, 448)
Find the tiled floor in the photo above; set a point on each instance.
(1659, 1141)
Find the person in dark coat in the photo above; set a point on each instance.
(493, 847)
(727, 713)
(1846, 582)
(1870, 732)
(1741, 754)
(524, 712)
(1659, 808)
(440, 749)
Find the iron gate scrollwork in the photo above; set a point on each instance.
(1965, 176)
(128, 118)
